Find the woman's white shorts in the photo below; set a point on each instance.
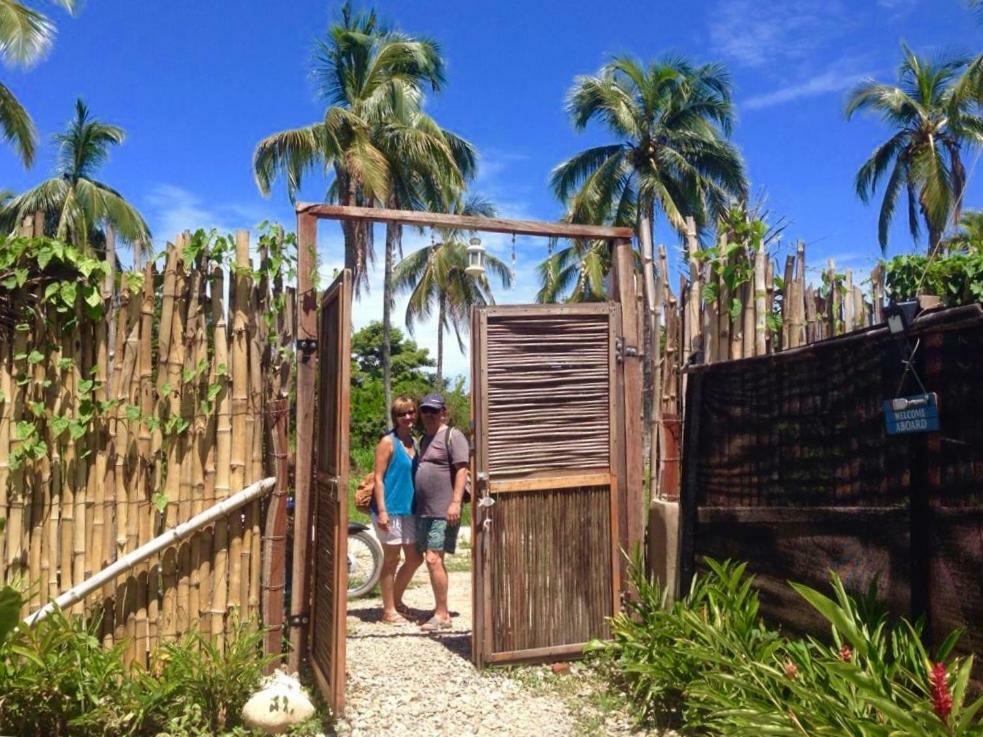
(402, 530)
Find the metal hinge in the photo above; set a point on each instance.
(623, 351)
(307, 345)
(299, 620)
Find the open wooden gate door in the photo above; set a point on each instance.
(330, 569)
(545, 511)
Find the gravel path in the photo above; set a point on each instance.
(405, 683)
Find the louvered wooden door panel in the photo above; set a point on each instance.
(544, 412)
(330, 569)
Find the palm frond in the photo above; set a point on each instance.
(25, 34)
(16, 126)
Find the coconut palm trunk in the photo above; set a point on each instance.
(394, 234)
(441, 318)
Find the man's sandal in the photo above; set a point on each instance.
(436, 624)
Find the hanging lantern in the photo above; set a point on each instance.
(476, 258)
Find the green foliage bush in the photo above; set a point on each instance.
(709, 664)
(58, 679)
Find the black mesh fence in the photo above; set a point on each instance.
(788, 466)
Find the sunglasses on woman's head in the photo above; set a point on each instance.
(407, 413)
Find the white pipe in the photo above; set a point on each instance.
(172, 537)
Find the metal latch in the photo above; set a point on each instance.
(299, 620)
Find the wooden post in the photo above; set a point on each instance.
(724, 299)
(306, 375)
(626, 291)
(788, 301)
(877, 289)
(692, 323)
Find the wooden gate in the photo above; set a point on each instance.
(330, 570)
(545, 511)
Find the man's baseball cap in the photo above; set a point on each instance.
(434, 401)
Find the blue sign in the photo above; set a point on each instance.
(918, 413)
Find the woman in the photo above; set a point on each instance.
(392, 508)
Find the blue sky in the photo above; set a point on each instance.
(196, 83)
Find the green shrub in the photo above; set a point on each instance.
(711, 663)
(196, 671)
(58, 679)
(957, 278)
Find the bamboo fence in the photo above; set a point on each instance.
(182, 422)
(716, 317)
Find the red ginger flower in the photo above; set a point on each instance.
(846, 654)
(941, 697)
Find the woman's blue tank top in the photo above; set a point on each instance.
(398, 481)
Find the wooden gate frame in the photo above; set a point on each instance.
(624, 290)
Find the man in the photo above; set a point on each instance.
(441, 477)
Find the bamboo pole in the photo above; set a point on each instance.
(760, 304)
(202, 442)
(788, 297)
(812, 322)
(877, 293)
(240, 409)
(7, 495)
(849, 306)
(692, 324)
(835, 301)
(187, 569)
(76, 477)
(798, 297)
(258, 365)
(175, 441)
(223, 456)
(769, 303)
(723, 318)
(51, 508)
(747, 314)
(140, 483)
(711, 319)
(15, 531)
(275, 541)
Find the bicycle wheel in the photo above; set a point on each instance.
(364, 563)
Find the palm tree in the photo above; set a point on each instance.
(969, 237)
(25, 37)
(672, 119)
(75, 202)
(576, 273)
(363, 69)
(934, 111)
(435, 276)
(427, 166)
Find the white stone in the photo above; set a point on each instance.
(280, 703)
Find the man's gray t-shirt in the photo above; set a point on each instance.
(433, 476)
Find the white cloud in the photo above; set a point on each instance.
(749, 34)
(832, 80)
(172, 209)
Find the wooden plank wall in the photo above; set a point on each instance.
(181, 424)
